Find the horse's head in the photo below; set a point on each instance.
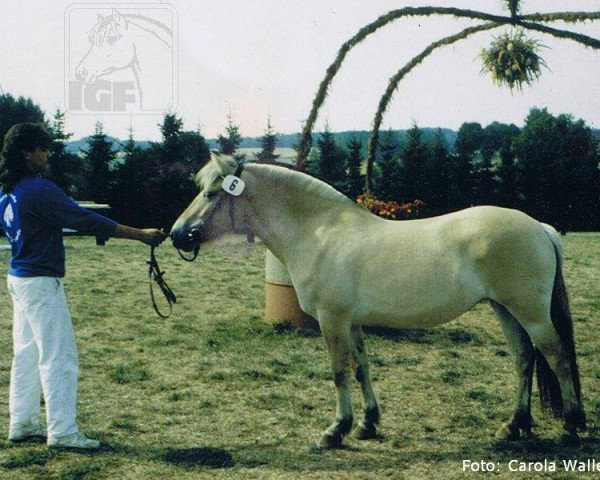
(111, 48)
(212, 213)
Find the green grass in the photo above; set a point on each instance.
(214, 392)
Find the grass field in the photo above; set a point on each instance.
(171, 399)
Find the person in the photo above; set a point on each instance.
(33, 212)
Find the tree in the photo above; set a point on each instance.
(559, 169)
(17, 110)
(389, 182)
(171, 146)
(355, 182)
(232, 139)
(65, 168)
(468, 144)
(132, 197)
(99, 157)
(498, 139)
(175, 161)
(469, 139)
(437, 173)
(414, 158)
(332, 160)
(528, 65)
(268, 143)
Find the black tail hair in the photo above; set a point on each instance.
(548, 385)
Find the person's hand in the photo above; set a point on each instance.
(153, 236)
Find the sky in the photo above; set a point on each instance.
(264, 59)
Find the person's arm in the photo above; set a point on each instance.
(60, 210)
(149, 236)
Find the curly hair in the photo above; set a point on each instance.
(19, 138)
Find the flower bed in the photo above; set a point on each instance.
(391, 210)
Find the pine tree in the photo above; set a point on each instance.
(17, 110)
(332, 160)
(64, 166)
(171, 146)
(414, 158)
(388, 185)
(438, 176)
(355, 182)
(232, 139)
(99, 156)
(268, 144)
(132, 195)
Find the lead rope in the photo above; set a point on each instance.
(155, 275)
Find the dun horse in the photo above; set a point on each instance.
(353, 269)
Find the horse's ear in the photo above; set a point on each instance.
(117, 17)
(226, 165)
(100, 18)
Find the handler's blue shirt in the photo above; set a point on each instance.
(33, 215)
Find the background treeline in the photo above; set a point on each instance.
(549, 168)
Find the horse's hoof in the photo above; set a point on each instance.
(361, 432)
(505, 433)
(568, 439)
(329, 442)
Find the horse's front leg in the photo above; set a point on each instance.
(339, 344)
(367, 428)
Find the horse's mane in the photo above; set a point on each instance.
(316, 188)
(313, 186)
(98, 33)
(210, 172)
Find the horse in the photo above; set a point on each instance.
(351, 269)
(127, 42)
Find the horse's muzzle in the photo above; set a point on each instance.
(186, 241)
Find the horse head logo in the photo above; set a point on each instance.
(128, 46)
(112, 48)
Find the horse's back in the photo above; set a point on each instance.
(510, 252)
(426, 272)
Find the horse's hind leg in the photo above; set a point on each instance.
(560, 358)
(339, 342)
(367, 428)
(524, 356)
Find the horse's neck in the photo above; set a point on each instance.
(153, 33)
(153, 52)
(286, 213)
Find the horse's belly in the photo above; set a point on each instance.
(409, 318)
(427, 301)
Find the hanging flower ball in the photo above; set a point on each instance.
(513, 60)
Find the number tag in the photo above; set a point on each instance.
(233, 185)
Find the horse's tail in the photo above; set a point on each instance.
(548, 385)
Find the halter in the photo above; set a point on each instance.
(154, 272)
(194, 234)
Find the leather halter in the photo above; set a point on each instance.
(154, 272)
(195, 233)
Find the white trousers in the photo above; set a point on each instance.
(45, 355)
